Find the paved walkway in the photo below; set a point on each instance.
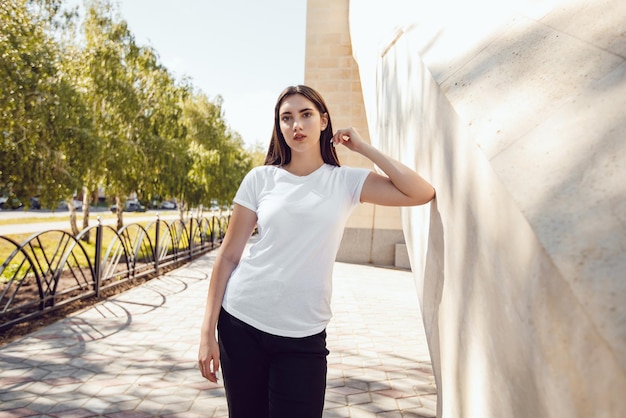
(135, 355)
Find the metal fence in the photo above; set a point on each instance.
(53, 268)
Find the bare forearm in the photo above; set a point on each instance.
(403, 178)
(400, 187)
(222, 269)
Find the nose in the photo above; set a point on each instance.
(297, 124)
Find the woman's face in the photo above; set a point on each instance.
(301, 123)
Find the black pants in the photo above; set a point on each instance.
(270, 376)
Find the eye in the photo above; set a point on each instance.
(286, 118)
(307, 114)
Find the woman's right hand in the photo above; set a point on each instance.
(242, 222)
(209, 358)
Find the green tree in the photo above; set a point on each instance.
(108, 56)
(85, 154)
(41, 114)
(219, 161)
(162, 135)
(257, 153)
(78, 111)
(26, 89)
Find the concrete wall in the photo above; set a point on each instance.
(516, 112)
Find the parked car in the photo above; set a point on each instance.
(135, 207)
(168, 204)
(78, 205)
(131, 206)
(34, 203)
(10, 202)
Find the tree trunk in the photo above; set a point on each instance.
(86, 203)
(119, 211)
(72, 209)
(181, 209)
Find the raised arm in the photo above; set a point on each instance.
(400, 187)
(240, 228)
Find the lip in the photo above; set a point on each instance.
(299, 137)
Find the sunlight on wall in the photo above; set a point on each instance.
(517, 262)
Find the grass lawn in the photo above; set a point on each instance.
(79, 218)
(50, 240)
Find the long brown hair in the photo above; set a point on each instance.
(279, 152)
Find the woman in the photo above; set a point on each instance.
(272, 307)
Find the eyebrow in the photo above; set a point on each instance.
(306, 109)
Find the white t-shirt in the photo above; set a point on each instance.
(283, 287)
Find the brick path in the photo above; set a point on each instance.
(134, 355)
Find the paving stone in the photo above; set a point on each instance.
(18, 413)
(70, 408)
(429, 401)
(391, 414)
(339, 412)
(125, 407)
(335, 382)
(18, 402)
(204, 407)
(64, 392)
(97, 405)
(42, 404)
(346, 390)
(420, 413)
(359, 398)
(129, 414)
(336, 398)
(175, 406)
(184, 415)
(409, 403)
(12, 395)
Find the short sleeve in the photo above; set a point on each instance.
(355, 178)
(246, 195)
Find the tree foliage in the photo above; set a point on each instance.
(84, 106)
(39, 113)
(219, 161)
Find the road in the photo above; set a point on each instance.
(64, 223)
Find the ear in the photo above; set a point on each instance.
(324, 119)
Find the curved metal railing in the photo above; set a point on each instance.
(53, 268)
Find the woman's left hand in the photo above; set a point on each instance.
(349, 137)
(400, 186)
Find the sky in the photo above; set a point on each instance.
(246, 51)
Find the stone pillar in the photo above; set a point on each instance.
(372, 231)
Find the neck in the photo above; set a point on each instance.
(302, 165)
